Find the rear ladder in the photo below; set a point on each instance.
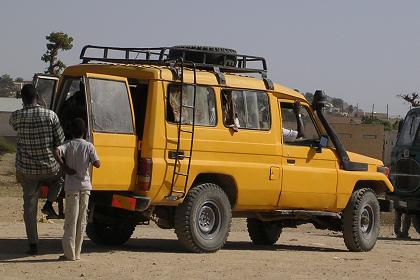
(183, 128)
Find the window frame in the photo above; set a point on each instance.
(170, 85)
(90, 107)
(270, 118)
(300, 142)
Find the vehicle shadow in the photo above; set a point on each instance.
(13, 250)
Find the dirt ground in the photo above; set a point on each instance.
(302, 253)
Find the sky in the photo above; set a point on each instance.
(365, 52)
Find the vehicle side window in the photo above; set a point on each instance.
(205, 105)
(110, 106)
(409, 130)
(290, 126)
(246, 109)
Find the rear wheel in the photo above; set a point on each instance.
(203, 219)
(360, 221)
(263, 233)
(109, 234)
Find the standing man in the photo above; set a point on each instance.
(38, 134)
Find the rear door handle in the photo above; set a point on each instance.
(173, 155)
(291, 161)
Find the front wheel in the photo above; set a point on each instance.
(360, 221)
(203, 219)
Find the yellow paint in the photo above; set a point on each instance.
(257, 161)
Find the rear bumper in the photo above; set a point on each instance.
(121, 200)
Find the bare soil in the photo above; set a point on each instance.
(153, 253)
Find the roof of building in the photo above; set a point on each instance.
(8, 104)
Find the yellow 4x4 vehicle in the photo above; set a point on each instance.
(190, 137)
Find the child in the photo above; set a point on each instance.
(78, 154)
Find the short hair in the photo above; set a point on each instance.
(78, 127)
(28, 93)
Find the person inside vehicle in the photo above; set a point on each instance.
(74, 107)
(290, 135)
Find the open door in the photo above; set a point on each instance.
(113, 132)
(46, 85)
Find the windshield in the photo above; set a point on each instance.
(409, 130)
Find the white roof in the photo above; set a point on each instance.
(10, 104)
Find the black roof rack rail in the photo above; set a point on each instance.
(160, 56)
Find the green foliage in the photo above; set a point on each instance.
(7, 86)
(374, 120)
(337, 102)
(6, 146)
(57, 41)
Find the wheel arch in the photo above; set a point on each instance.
(226, 182)
(379, 187)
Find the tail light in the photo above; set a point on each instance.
(43, 191)
(384, 170)
(144, 174)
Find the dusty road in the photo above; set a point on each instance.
(152, 253)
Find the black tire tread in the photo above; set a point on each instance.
(116, 236)
(351, 222)
(182, 223)
(258, 234)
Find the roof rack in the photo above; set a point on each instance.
(160, 56)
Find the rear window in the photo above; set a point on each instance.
(110, 106)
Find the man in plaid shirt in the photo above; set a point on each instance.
(39, 133)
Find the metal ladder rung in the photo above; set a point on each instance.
(181, 174)
(187, 106)
(175, 191)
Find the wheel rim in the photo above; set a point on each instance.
(209, 219)
(367, 220)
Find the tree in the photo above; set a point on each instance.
(56, 41)
(337, 102)
(309, 96)
(412, 98)
(350, 109)
(7, 86)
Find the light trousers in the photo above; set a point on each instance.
(75, 223)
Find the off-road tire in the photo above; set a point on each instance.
(203, 219)
(416, 222)
(109, 234)
(361, 220)
(211, 57)
(263, 233)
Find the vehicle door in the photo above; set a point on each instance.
(309, 178)
(113, 132)
(46, 86)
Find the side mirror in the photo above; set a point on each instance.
(323, 142)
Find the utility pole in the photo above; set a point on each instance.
(373, 109)
(387, 111)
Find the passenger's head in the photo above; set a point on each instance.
(29, 94)
(78, 128)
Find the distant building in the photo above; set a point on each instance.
(7, 106)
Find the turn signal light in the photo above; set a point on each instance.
(144, 174)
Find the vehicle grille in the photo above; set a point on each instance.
(407, 177)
